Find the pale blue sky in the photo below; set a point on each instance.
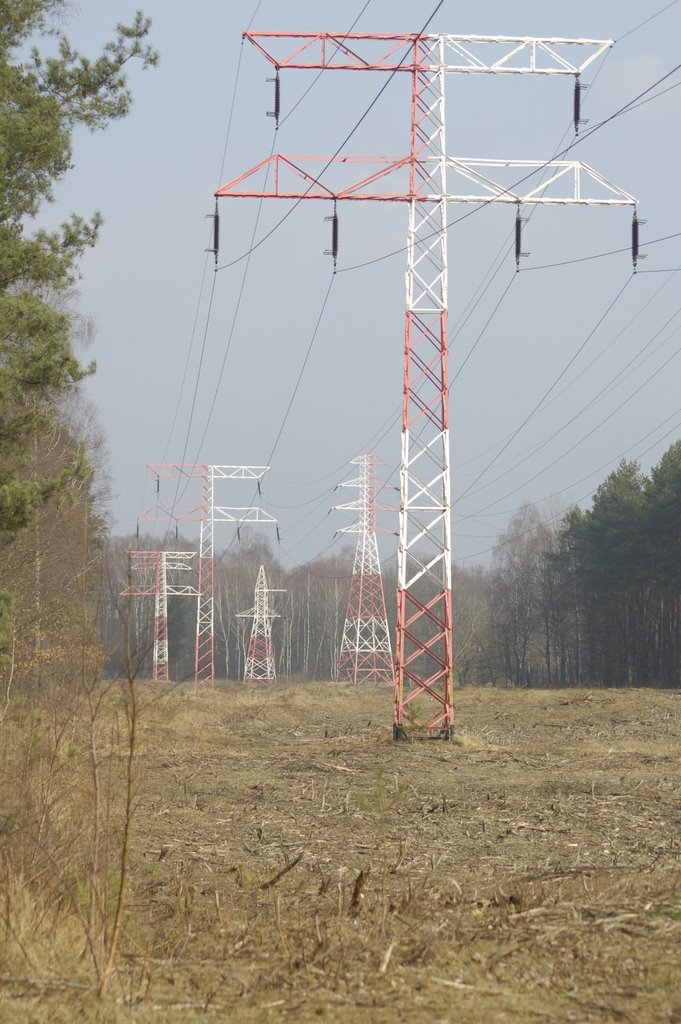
(153, 176)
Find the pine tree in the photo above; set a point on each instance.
(44, 97)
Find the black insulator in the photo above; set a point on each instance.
(519, 240)
(216, 232)
(259, 489)
(277, 99)
(636, 255)
(238, 534)
(278, 534)
(577, 105)
(138, 529)
(333, 251)
(177, 528)
(158, 484)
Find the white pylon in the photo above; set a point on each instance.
(260, 657)
(365, 654)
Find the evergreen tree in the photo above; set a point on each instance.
(47, 90)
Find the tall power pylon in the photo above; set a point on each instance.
(365, 654)
(424, 670)
(260, 665)
(207, 513)
(149, 578)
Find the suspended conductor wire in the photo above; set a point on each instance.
(187, 360)
(295, 391)
(613, 382)
(599, 469)
(647, 20)
(302, 370)
(193, 405)
(475, 344)
(401, 250)
(235, 316)
(546, 393)
(602, 255)
(202, 284)
(574, 504)
(538, 170)
(586, 436)
(316, 180)
(321, 71)
(255, 228)
(503, 248)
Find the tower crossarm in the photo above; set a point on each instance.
(463, 54)
(564, 182)
(251, 514)
(198, 472)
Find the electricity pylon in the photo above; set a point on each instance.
(365, 654)
(260, 665)
(207, 513)
(424, 670)
(148, 574)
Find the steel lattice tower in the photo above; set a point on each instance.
(424, 669)
(260, 666)
(149, 578)
(365, 654)
(207, 513)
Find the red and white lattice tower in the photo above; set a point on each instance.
(424, 671)
(365, 654)
(149, 577)
(260, 666)
(207, 513)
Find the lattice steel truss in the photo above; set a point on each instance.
(149, 577)
(260, 667)
(365, 653)
(207, 513)
(423, 697)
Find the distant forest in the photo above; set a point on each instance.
(587, 598)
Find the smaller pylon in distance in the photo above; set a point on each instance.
(260, 667)
(365, 654)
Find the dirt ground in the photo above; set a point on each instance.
(292, 863)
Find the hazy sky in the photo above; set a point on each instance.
(148, 283)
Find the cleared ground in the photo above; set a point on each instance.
(290, 862)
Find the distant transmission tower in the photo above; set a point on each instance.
(260, 658)
(149, 578)
(426, 179)
(207, 513)
(365, 654)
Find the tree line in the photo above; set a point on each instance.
(590, 597)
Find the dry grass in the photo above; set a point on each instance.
(289, 862)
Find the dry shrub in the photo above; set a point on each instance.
(64, 768)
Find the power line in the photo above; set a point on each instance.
(322, 70)
(574, 504)
(619, 378)
(546, 393)
(647, 20)
(589, 434)
(347, 138)
(560, 153)
(533, 448)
